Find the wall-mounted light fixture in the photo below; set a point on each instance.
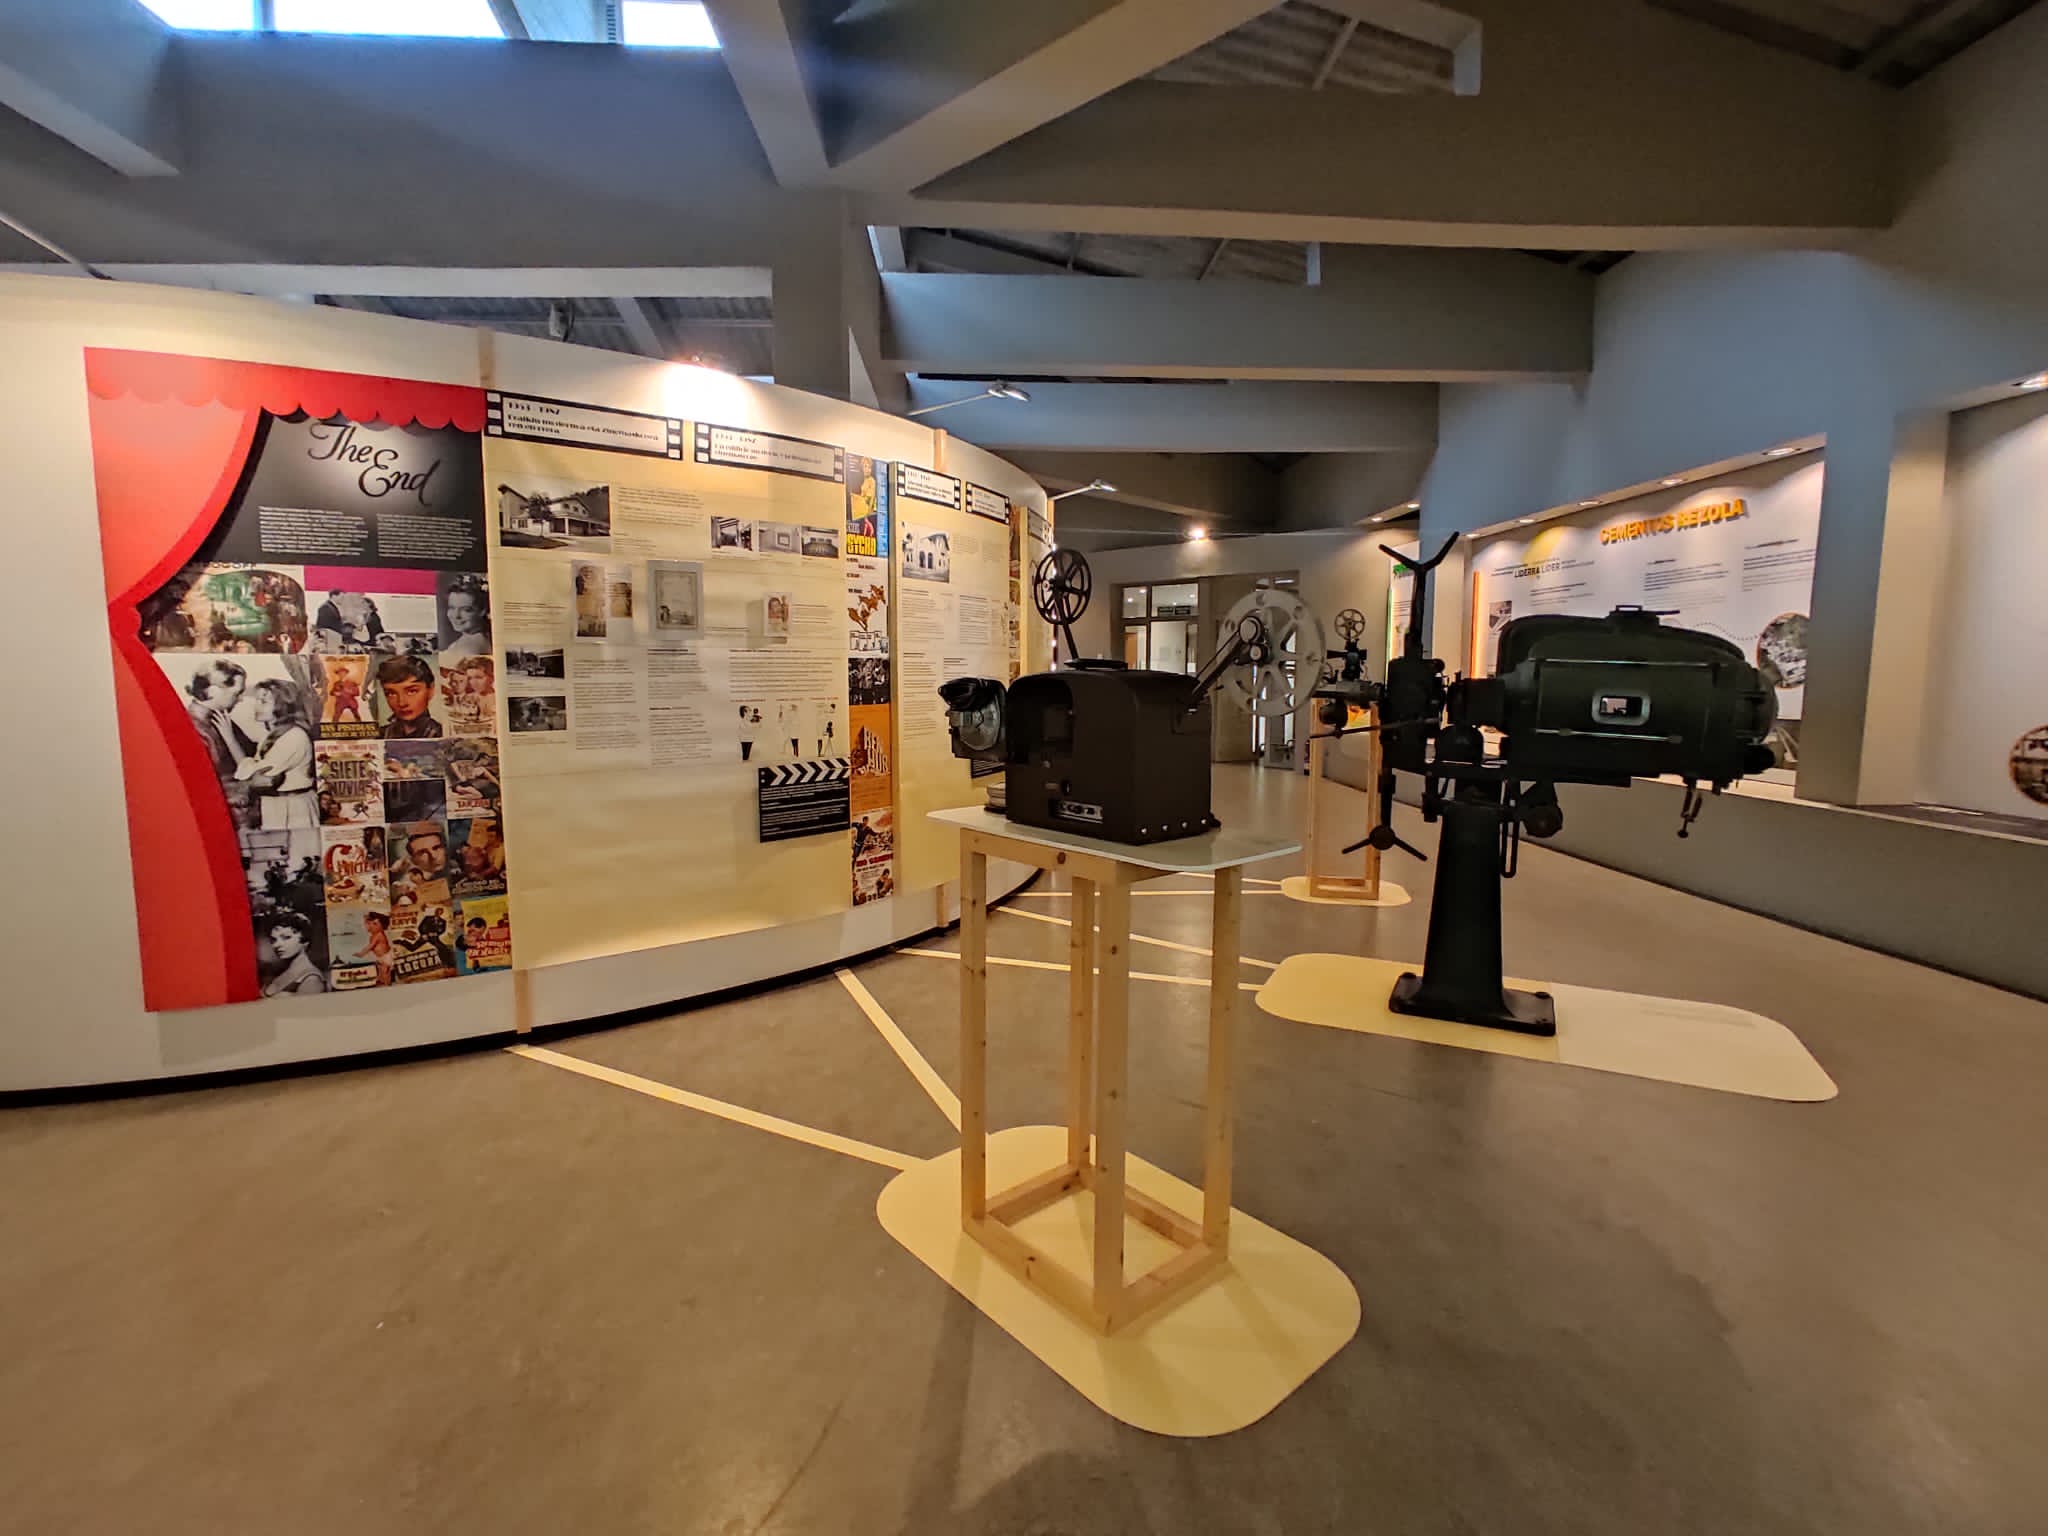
(996, 391)
(1080, 490)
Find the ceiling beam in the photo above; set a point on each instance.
(1378, 315)
(936, 83)
(1236, 417)
(640, 327)
(95, 72)
(1604, 124)
(763, 44)
(1929, 22)
(445, 282)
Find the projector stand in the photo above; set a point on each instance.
(1461, 975)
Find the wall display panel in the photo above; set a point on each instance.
(1733, 558)
(301, 619)
(89, 1005)
(676, 686)
(1984, 737)
(952, 574)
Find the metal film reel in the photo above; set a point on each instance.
(1294, 663)
(1350, 625)
(1061, 586)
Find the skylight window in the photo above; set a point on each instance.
(206, 15)
(666, 24)
(390, 18)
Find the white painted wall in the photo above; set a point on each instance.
(1988, 683)
(68, 945)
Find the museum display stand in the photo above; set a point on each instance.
(1098, 1062)
(1225, 1316)
(1323, 883)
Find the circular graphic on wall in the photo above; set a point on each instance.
(2028, 765)
(1781, 651)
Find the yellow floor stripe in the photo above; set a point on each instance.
(1050, 965)
(929, 1080)
(772, 1124)
(1204, 891)
(1141, 938)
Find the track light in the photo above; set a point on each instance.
(1083, 490)
(1000, 390)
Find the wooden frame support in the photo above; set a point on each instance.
(1098, 1057)
(1323, 882)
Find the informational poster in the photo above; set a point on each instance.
(306, 673)
(676, 673)
(1733, 559)
(870, 726)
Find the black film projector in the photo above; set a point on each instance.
(1103, 749)
(1575, 701)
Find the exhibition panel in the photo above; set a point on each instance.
(443, 654)
(1732, 556)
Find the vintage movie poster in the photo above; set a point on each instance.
(349, 782)
(355, 867)
(874, 855)
(324, 537)
(483, 939)
(469, 695)
(867, 507)
(470, 773)
(422, 942)
(420, 875)
(476, 854)
(358, 947)
(346, 713)
(415, 782)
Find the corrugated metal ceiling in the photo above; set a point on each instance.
(1306, 46)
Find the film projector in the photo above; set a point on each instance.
(1572, 700)
(1117, 752)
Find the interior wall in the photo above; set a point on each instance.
(1991, 631)
(75, 1013)
(1701, 357)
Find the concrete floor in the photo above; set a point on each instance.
(483, 1294)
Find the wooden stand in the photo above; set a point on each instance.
(1098, 1018)
(1331, 886)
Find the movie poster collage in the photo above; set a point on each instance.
(869, 724)
(351, 718)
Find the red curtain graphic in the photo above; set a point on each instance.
(171, 437)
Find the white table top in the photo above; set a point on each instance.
(1224, 848)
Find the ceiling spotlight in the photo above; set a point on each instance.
(997, 391)
(1671, 480)
(1198, 533)
(1414, 506)
(1525, 519)
(1590, 501)
(2038, 381)
(1083, 490)
(1779, 453)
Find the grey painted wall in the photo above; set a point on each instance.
(1701, 357)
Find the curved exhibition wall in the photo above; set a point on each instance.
(379, 683)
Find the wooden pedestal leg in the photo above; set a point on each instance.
(1221, 1106)
(1372, 781)
(1080, 1022)
(1315, 793)
(1112, 1060)
(973, 1034)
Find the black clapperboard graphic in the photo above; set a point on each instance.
(804, 799)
